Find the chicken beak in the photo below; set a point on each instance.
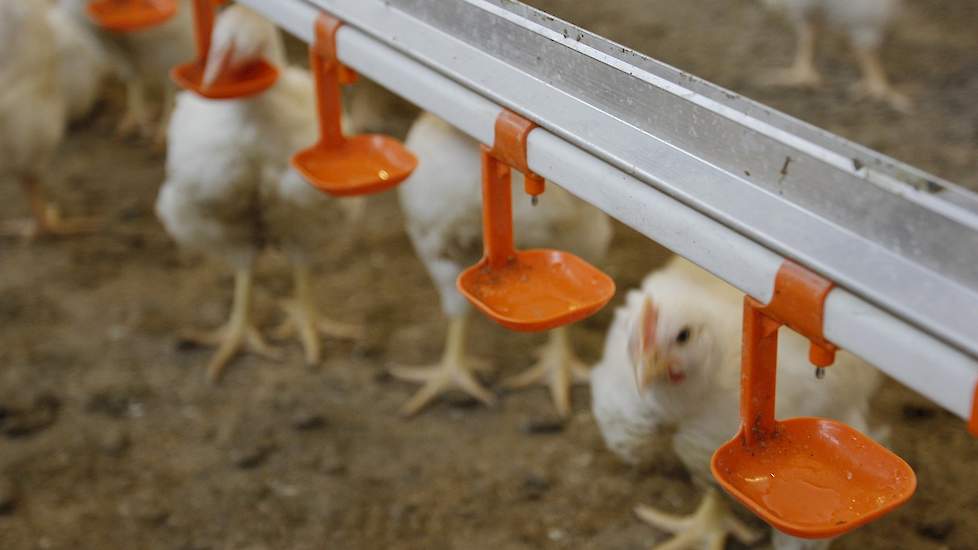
(653, 367)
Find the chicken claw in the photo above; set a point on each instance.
(558, 369)
(802, 73)
(884, 94)
(46, 220)
(798, 76)
(438, 380)
(707, 527)
(229, 340)
(136, 119)
(880, 90)
(237, 334)
(53, 225)
(876, 85)
(303, 319)
(453, 372)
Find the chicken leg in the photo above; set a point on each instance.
(558, 369)
(802, 72)
(238, 333)
(136, 118)
(453, 372)
(707, 527)
(304, 320)
(45, 218)
(875, 84)
(166, 112)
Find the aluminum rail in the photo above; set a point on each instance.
(645, 198)
(870, 224)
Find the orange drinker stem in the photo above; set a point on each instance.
(204, 26)
(329, 74)
(758, 376)
(328, 99)
(497, 219)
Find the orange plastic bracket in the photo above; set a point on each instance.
(324, 52)
(131, 15)
(973, 424)
(799, 302)
(249, 80)
(525, 290)
(808, 477)
(336, 164)
(329, 75)
(509, 146)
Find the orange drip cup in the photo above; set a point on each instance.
(252, 79)
(525, 290)
(808, 477)
(131, 15)
(336, 164)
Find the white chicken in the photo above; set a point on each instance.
(143, 59)
(865, 22)
(229, 190)
(33, 111)
(672, 359)
(84, 62)
(442, 204)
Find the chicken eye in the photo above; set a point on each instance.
(683, 335)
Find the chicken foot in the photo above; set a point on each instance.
(558, 369)
(238, 333)
(453, 372)
(45, 220)
(707, 527)
(304, 320)
(166, 113)
(802, 73)
(876, 85)
(136, 120)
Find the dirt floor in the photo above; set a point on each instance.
(110, 437)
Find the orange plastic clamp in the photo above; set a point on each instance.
(326, 28)
(509, 146)
(799, 302)
(973, 425)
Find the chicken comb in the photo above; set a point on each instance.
(650, 319)
(638, 340)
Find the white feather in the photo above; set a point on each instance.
(32, 107)
(84, 62)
